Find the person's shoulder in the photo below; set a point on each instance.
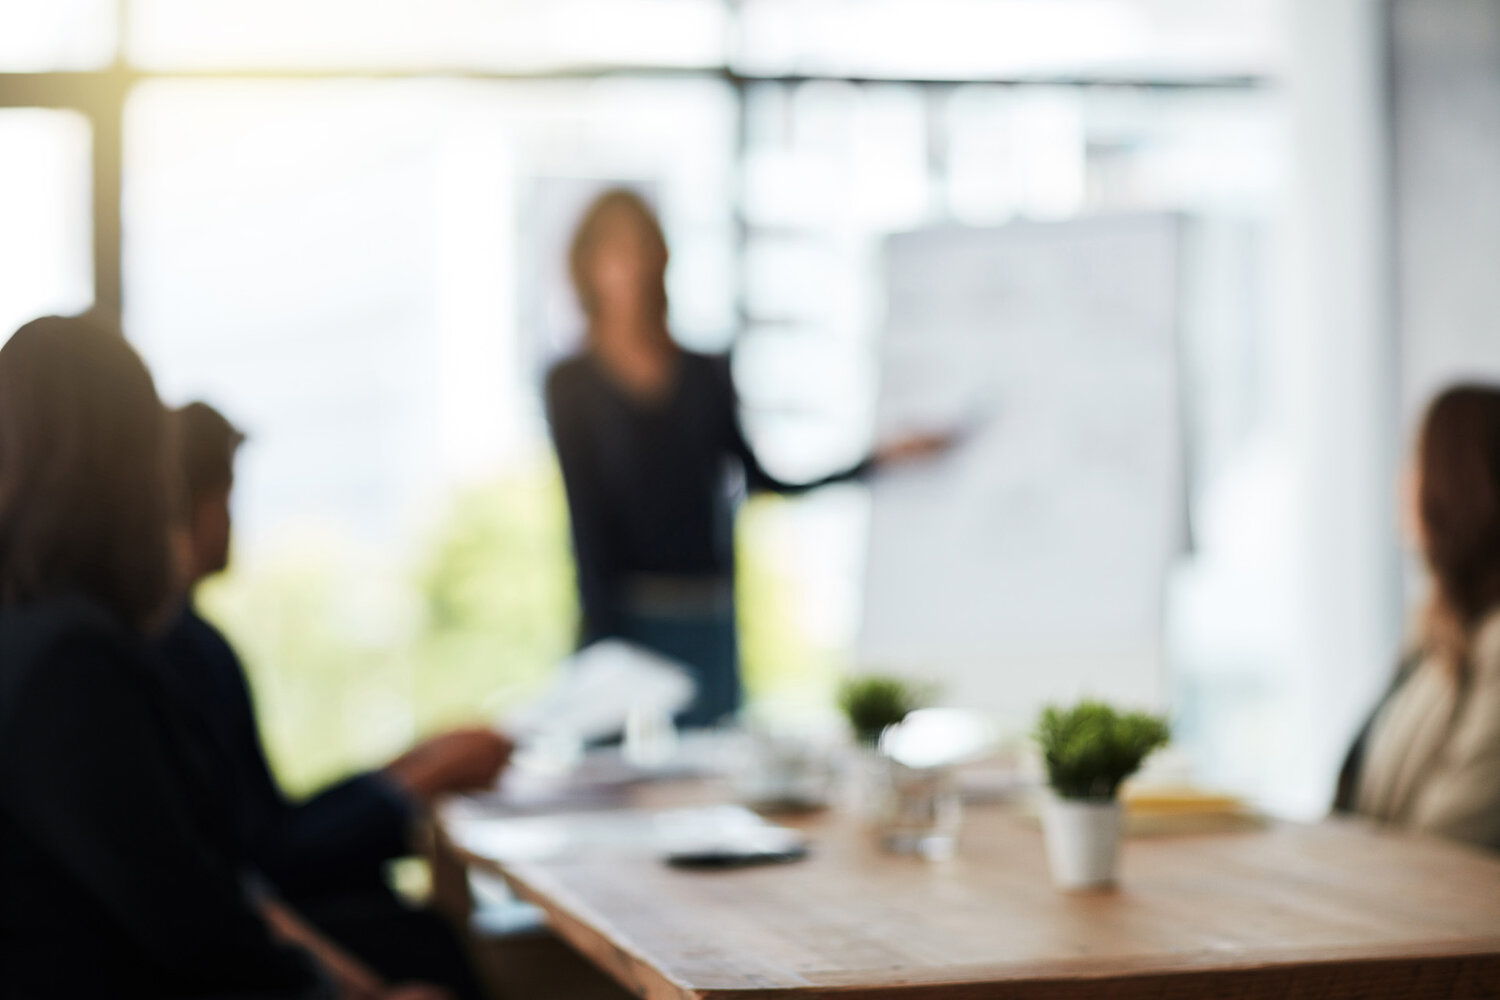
(68, 643)
(189, 624)
(570, 374)
(571, 394)
(34, 628)
(191, 637)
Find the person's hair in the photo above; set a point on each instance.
(206, 443)
(1458, 507)
(87, 482)
(604, 211)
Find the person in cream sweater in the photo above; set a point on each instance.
(1429, 758)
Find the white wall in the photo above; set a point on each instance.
(1335, 352)
(1447, 161)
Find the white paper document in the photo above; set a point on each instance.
(597, 692)
(617, 832)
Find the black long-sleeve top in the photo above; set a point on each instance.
(649, 484)
(333, 841)
(118, 874)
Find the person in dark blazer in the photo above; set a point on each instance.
(118, 876)
(325, 855)
(1429, 758)
(647, 435)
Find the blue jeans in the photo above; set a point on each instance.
(708, 645)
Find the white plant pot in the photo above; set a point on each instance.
(1083, 841)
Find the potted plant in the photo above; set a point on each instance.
(872, 704)
(1089, 750)
(875, 702)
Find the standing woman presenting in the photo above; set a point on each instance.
(648, 436)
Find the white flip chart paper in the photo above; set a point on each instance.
(1028, 563)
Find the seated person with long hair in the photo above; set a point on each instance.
(116, 856)
(325, 855)
(1429, 759)
(122, 870)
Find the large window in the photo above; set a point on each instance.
(42, 35)
(44, 214)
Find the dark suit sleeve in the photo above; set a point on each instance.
(98, 781)
(757, 479)
(339, 837)
(336, 839)
(588, 509)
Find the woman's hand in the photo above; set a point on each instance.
(464, 760)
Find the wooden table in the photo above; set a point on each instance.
(1334, 910)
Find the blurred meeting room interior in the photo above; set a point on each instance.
(345, 224)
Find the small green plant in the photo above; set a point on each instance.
(873, 703)
(1090, 749)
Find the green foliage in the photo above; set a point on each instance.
(874, 702)
(1090, 749)
(322, 642)
(779, 660)
(354, 654)
(497, 598)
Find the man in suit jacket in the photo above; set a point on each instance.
(324, 855)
